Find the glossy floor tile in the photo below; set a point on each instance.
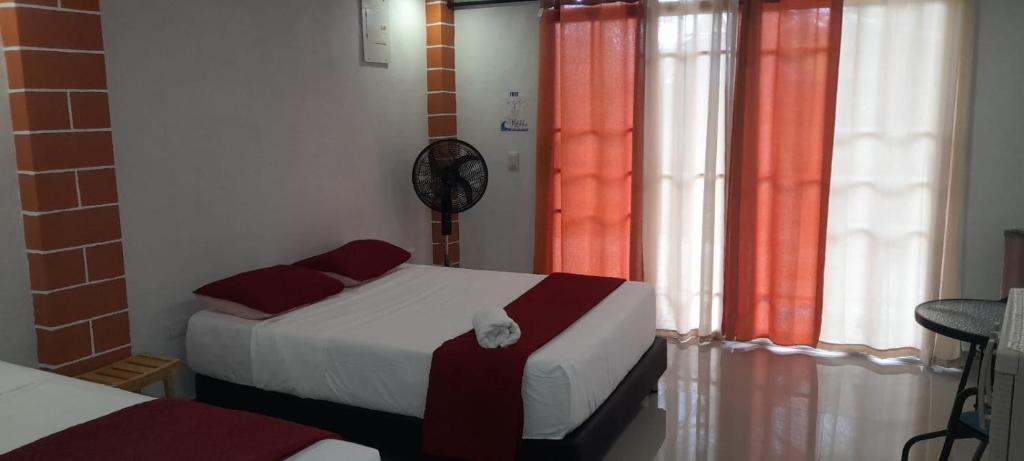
(739, 402)
(736, 401)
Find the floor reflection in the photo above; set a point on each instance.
(743, 402)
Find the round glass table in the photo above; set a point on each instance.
(969, 320)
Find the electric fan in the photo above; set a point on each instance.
(449, 176)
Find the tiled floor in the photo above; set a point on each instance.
(739, 402)
(743, 402)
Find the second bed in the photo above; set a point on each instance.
(371, 345)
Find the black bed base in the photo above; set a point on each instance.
(401, 435)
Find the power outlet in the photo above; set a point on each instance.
(513, 160)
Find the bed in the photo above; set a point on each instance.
(367, 352)
(44, 403)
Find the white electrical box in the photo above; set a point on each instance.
(375, 32)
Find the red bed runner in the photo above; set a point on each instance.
(474, 399)
(174, 430)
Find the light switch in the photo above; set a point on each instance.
(513, 160)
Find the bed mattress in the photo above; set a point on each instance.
(35, 404)
(371, 346)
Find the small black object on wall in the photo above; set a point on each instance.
(449, 176)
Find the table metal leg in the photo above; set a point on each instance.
(967, 368)
(980, 450)
(917, 438)
(953, 416)
(947, 446)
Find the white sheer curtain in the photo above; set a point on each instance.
(895, 209)
(689, 72)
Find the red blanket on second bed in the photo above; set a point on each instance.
(173, 430)
(474, 399)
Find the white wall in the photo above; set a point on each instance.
(17, 333)
(496, 51)
(995, 196)
(250, 133)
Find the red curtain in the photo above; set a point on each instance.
(589, 135)
(779, 168)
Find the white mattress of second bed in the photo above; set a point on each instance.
(371, 346)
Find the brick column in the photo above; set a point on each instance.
(58, 96)
(441, 111)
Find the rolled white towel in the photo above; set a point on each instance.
(494, 328)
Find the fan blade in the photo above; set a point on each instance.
(437, 167)
(467, 190)
(462, 161)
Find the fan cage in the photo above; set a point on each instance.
(433, 175)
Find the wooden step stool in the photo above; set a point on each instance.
(136, 372)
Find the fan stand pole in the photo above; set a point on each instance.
(446, 231)
(447, 262)
(446, 219)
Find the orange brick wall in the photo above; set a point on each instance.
(441, 110)
(58, 97)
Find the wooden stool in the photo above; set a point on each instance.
(136, 372)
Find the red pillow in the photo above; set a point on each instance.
(274, 289)
(359, 260)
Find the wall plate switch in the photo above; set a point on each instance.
(513, 160)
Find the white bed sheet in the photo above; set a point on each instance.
(371, 345)
(35, 404)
